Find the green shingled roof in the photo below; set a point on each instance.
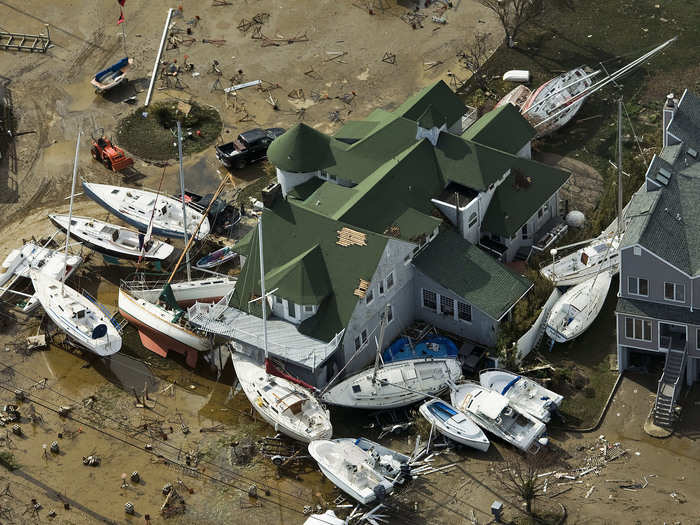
(440, 97)
(303, 259)
(301, 149)
(517, 198)
(503, 128)
(470, 273)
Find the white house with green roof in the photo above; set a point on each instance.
(658, 310)
(406, 208)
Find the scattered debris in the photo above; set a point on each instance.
(91, 461)
(389, 57)
(129, 507)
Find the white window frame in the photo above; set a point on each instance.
(369, 296)
(637, 280)
(358, 343)
(473, 219)
(641, 324)
(387, 285)
(466, 305)
(389, 314)
(308, 308)
(447, 298)
(382, 288)
(422, 295)
(364, 337)
(676, 286)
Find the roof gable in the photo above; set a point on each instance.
(301, 149)
(440, 96)
(503, 128)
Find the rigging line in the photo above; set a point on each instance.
(153, 212)
(636, 139)
(183, 466)
(120, 423)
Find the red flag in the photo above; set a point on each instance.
(121, 17)
(121, 2)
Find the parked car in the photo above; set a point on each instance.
(250, 146)
(222, 216)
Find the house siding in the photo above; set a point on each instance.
(656, 271)
(482, 328)
(622, 339)
(366, 317)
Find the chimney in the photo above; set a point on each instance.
(668, 112)
(270, 193)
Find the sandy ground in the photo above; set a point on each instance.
(52, 96)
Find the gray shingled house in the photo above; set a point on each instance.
(658, 309)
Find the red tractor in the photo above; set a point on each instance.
(109, 154)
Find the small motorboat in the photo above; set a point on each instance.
(435, 347)
(216, 258)
(140, 207)
(494, 413)
(453, 424)
(576, 310)
(524, 394)
(327, 518)
(82, 320)
(112, 76)
(110, 239)
(287, 406)
(359, 467)
(601, 254)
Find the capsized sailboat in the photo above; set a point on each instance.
(396, 384)
(281, 400)
(113, 240)
(143, 207)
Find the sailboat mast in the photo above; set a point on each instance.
(182, 194)
(619, 168)
(262, 288)
(382, 326)
(70, 210)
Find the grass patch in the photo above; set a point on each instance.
(155, 137)
(254, 189)
(7, 460)
(573, 33)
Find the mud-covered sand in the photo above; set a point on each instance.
(52, 96)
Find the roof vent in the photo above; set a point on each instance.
(663, 176)
(692, 153)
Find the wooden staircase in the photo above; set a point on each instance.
(670, 385)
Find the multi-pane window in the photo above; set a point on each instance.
(381, 287)
(364, 337)
(369, 297)
(472, 219)
(291, 308)
(389, 314)
(430, 300)
(447, 305)
(637, 286)
(358, 343)
(523, 231)
(639, 329)
(308, 308)
(464, 311)
(389, 281)
(674, 292)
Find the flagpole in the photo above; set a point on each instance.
(123, 23)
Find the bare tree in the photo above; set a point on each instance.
(474, 56)
(519, 476)
(514, 14)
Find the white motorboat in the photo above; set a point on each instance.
(524, 394)
(288, 407)
(327, 518)
(361, 468)
(186, 293)
(600, 254)
(115, 241)
(576, 310)
(82, 320)
(395, 384)
(141, 207)
(493, 412)
(46, 261)
(454, 424)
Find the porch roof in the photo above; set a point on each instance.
(660, 312)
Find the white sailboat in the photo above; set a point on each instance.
(524, 394)
(597, 255)
(492, 412)
(113, 240)
(45, 260)
(395, 384)
(286, 405)
(82, 320)
(359, 467)
(557, 101)
(136, 207)
(453, 424)
(576, 310)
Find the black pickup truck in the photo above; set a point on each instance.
(250, 146)
(222, 216)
